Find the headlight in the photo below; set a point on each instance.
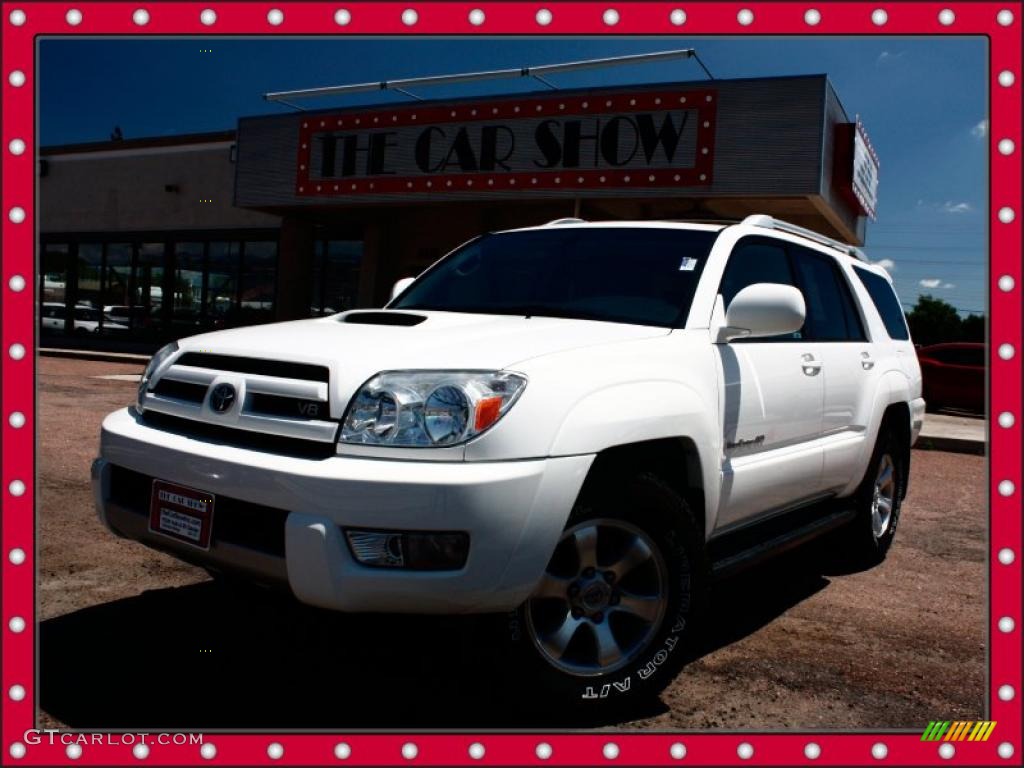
(157, 360)
(429, 408)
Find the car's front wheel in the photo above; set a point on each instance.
(611, 615)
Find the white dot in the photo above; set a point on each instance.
(878, 18)
(16, 283)
(16, 214)
(946, 751)
(1006, 625)
(678, 17)
(812, 17)
(1006, 693)
(543, 750)
(544, 17)
(141, 751)
(610, 751)
(651, 177)
(476, 17)
(476, 750)
(73, 17)
(410, 17)
(342, 751)
(17, 556)
(1005, 19)
(1006, 556)
(73, 751)
(275, 16)
(410, 750)
(16, 692)
(703, 177)
(626, 179)
(209, 17)
(342, 17)
(745, 751)
(17, 488)
(208, 751)
(16, 78)
(812, 751)
(275, 751)
(879, 750)
(1006, 748)
(611, 17)
(1006, 419)
(141, 18)
(17, 750)
(1006, 488)
(745, 17)
(17, 17)
(17, 147)
(1006, 214)
(17, 351)
(946, 17)
(1006, 283)
(1006, 351)
(678, 751)
(16, 625)
(1006, 78)
(1006, 146)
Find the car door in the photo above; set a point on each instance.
(849, 368)
(771, 400)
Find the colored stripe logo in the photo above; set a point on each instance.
(958, 730)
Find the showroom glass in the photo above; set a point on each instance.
(117, 297)
(258, 279)
(884, 298)
(644, 276)
(757, 260)
(54, 277)
(90, 274)
(224, 263)
(336, 265)
(149, 291)
(188, 288)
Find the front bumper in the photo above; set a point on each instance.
(514, 513)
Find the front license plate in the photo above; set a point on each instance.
(183, 513)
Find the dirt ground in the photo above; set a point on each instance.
(131, 638)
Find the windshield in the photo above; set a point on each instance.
(645, 276)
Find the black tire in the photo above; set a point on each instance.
(870, 535)
(646, 505)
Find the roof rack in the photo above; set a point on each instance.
(567, 220)
(768, 222)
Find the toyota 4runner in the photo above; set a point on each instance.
(578, 425)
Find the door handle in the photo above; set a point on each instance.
(811, 366)
(866, 362)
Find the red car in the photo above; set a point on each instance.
(954, 376)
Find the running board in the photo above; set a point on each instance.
(729, 559)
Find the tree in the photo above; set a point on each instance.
(973, 328)
(933, 321)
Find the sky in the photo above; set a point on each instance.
(922, 100)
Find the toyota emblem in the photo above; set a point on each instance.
(222, 397)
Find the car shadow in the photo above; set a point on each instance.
(203, 657)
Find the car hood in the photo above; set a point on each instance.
(441, 340)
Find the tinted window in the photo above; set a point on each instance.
(757, 261)
(831, 315)
(645, 276)
(884, 298)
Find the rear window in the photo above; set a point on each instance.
(884, 298)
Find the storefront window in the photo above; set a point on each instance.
(149, 289)
(54, 276)
(225, 260)
(117, 284)
(258, 282)
(90, 273)
(336, 266)
(188, 288)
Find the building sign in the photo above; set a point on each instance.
(601, 140)
(856, 167)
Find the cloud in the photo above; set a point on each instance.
(950, 207)
(930, 282)
(888, 57)
(948, 285)
(886, 264)
(980, 131)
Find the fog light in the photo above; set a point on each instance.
(435, 551)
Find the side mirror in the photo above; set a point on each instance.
(763, 309)
(400, 286)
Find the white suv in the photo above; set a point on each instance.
(578, 424)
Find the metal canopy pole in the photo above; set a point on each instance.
(401, 84)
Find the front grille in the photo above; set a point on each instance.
(241, 438)
(180, 390)
(279, 368)
(252, 526)
(289, 407)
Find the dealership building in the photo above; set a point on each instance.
(314, 212)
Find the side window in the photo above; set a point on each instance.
(756, 260)
(884, 298)
(831, 315)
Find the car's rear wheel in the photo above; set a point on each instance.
(610, 616)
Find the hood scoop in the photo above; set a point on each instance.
(383, 318)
